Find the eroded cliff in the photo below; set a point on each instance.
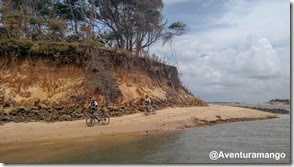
(58, 76)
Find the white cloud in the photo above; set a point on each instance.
(247, 60)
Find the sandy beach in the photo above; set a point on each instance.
(168, 119)
(39, 142)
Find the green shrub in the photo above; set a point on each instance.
(79, 50)
(61, 48)
(35, 49)
(78, 61)
(11, 45)
(56, 25)
(34, 21)
(26, 43)
(92, 42)
(74, 45)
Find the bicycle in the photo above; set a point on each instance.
(100, 117)
(150, 110)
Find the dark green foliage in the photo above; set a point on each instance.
(175, 29)
(35, 49)
(61, 48)
(91, 42)
(73, 38)
(61, 53)
(133, 25)
(139, 21)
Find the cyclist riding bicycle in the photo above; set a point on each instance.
(100, 117)
(93, 105)
(147, 103)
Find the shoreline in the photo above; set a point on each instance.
(40, 142)
(170, 119)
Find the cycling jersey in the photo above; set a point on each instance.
(93, 105)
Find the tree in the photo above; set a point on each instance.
(136, 24)
(73, 13)
(131, 24)
(12, 18)
(175, 29)
(56, 29)
(30, 18)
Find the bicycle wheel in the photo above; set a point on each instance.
(153, 111)
(90, 121)
(146, 111)
(105, 119)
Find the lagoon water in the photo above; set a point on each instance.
(193, 145)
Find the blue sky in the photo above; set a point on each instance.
(235, 50)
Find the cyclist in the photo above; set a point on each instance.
(93, 105)
(147, 103)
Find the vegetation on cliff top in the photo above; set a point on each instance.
(62, 52)
(133, 25)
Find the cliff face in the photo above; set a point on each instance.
(67, 79)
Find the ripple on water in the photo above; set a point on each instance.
(194, 145)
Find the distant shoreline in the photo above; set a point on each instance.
(278, 103)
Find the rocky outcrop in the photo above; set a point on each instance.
(55, 114)
(274, 110)
(203, 122)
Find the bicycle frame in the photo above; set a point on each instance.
(149, 110)
(98, 116)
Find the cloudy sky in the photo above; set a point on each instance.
(236, 50)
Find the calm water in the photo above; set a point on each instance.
(194, 145)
